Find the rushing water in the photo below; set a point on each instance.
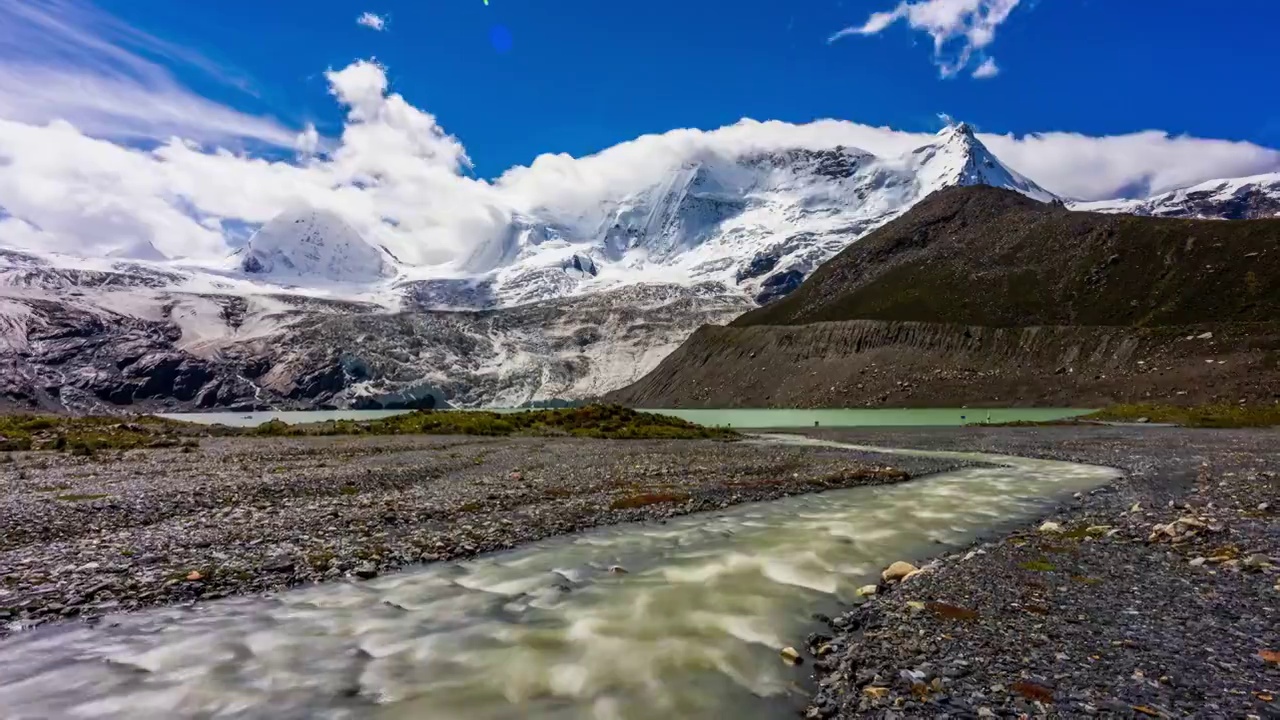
(692, 630)
(744, 418)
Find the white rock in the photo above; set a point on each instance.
(1050, 527)
(1196, 562)
(867, 590)
(790, 656)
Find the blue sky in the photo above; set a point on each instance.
(580, 76)
(145, 128)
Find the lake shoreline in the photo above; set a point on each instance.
(117, 532)
(1154, 596)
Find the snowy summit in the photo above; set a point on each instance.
(306, 243)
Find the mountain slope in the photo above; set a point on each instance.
(982, 296)
(984, 256)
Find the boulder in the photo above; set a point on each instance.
(897, 572)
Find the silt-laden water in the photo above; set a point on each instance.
(692, 629)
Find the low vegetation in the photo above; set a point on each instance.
(594, 421)
(1224, 415)
(86, 436)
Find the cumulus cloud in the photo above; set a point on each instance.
(65, 60)
(373, 21)
(1136, 164)
(393, 174)
(959, 28)
(402, 181)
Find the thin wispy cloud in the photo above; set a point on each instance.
(373, 21)
(66, 60)
(988, 69)
(959, 28)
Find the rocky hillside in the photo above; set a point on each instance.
(983, 256)
(982, 296)
(100, 342)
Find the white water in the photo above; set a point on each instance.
(546, 631)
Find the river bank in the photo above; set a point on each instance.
(87, 535)
(1156, 596)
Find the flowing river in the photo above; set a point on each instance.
(692, 629)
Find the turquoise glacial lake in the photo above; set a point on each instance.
(755, 418)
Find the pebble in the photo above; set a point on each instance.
(790, 656)
(1066, 641)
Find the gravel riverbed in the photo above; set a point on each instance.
(1155, 597)
(86, 536)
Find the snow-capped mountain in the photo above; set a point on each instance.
(561, 305)
(305, 243)
(757, 223)
(1256, 196)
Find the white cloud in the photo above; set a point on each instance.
(958, 28)
(401, 180)
(65, 60)
(988, 69)
(394, 174)
(1134, 164)
(372, 21)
